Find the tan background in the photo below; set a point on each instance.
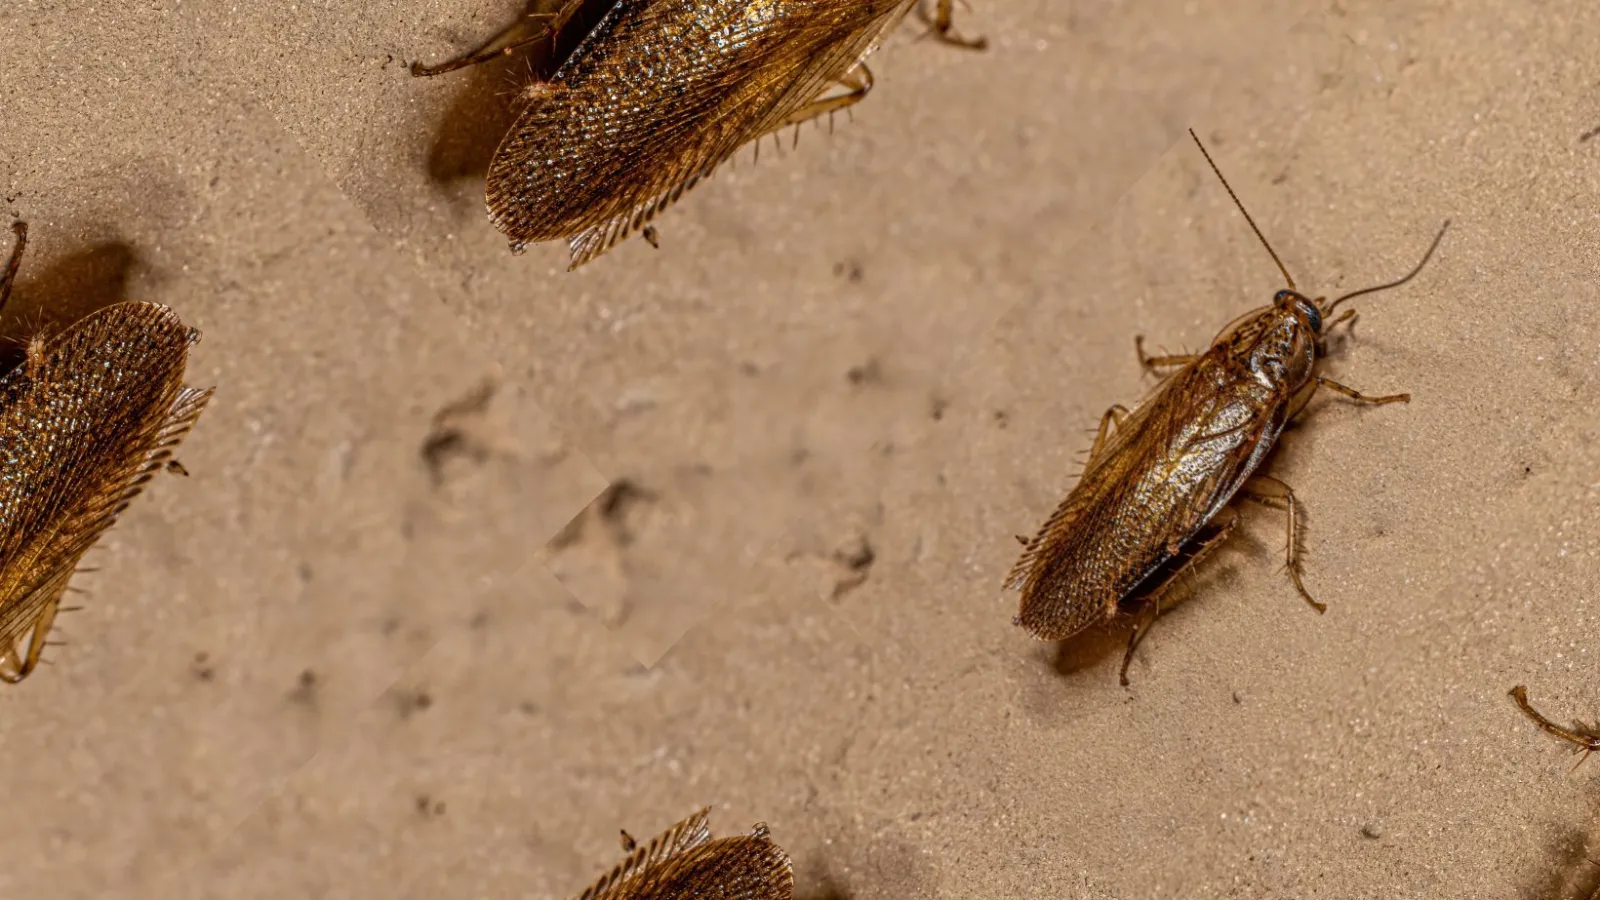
(897, 336)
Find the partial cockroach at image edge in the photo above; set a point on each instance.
(686, 863)
(87, 418)
(1154, 497)
(1584, 739)
(658, 95)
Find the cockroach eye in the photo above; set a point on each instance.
(1314, 314)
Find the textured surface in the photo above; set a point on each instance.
(848, 377)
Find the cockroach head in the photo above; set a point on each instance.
(1294, 301)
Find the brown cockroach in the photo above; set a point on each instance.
(686, 863)
(659, 94)
(1584, 738)
(1153, 499)
(86, 420)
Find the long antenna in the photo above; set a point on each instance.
(1286, 276)
(1409, 275)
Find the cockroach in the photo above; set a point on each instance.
(87, 418)
(1154, 497)
(659, 94)
(1584, 738)
(686, 863)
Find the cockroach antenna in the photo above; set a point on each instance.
(1263, 238)
(1393, 284)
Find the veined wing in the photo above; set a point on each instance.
(747, 867)
(84, 423)
(1168, 470)
(623, 878)
(659, 94)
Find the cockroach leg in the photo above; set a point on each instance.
(1348, 315)
(14, 667)
(857, 80)
(1269, 491)
(944, 30)
(1141, 627)
(1584, 738)
(1113, 416)
(1353, 394)
(628, 843)
(1347, 318)
(1154, 606)
(1166, 361)
(20, 229)
(521, 33)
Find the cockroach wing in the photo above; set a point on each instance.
(748, 867)
(658, 95)
(1167, 471)
(84, 423)
(690, 833)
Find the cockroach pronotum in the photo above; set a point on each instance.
(1154, 495)
(88, 417)
(686, 863)
(1584, 738)
(659, 94)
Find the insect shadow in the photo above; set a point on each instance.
(1573, 872)
(486, 105)
(858, 858)
(56, 295)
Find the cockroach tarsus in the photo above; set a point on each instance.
(85, 421)
(1147, 505)
(1585, 738)
(685, 861)
(597, 151)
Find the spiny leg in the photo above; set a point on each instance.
(1584, 739)
(1165, 361)
(857, 79)
(15, 667)
(508, 40)
(1359, 397)
(1113, 416)
(1153, 606)
(1269, 491)
(20, 229)
(943, 28)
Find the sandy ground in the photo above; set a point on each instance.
(332, 663)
